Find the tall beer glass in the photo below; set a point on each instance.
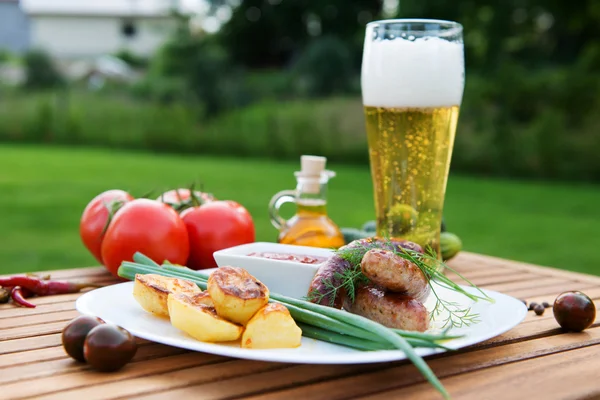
(412, 86)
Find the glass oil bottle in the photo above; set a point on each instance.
(310, 226)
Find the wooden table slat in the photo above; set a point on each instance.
(27, 320)
(487, 280)
(490, 262)
(566, 375)
(460, 364)
(30, 343)
(217, 372)
(31, 330)
(30, 356)
(16, 311)
(593, 292)
(65, 381)
(65, 364)
(551, 291)
(509, 287)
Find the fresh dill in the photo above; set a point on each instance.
(427, 262)
(345, 282)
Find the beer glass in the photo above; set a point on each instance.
(412, 83)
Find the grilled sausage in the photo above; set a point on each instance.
(329, 274)
(395, 274)
(393, 310)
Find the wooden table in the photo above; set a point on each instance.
(535, 360)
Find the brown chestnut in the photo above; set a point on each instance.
(74, 334)
(574, 311)
(108, 347)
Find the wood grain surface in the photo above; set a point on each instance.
(535, 360)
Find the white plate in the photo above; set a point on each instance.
(115, 304)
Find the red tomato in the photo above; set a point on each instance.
(147, 226)
(215, 226)
(178, 195)
(94, 218)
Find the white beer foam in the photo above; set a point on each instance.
(426, 72)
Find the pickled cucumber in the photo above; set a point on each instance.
(370, 227)
(450, 245)
(352, 234)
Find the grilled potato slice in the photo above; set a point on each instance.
(189, 314)
(237, 294)
(151, 291)
(270, 328)
(203, 298)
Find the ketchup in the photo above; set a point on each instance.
(290, 257)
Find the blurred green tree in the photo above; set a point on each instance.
(271, 33)
(534, 32)
(40, 71)
(192, 66)
(324, 68)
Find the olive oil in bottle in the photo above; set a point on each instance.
(310, 226)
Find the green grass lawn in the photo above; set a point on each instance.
(43, 191)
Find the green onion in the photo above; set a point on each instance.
(425, 336)
(330, 324)
(356, 343)
(145, 260)
(344, 340)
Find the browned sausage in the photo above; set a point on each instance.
(330, 271)
(395, 274)
(327, 276)
(393, 310)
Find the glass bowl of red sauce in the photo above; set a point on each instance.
(285, 269)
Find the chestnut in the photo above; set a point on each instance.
(574, 311)
(74, 334)
(108, 348)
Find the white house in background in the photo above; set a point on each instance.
(14, 27)
(76, 29)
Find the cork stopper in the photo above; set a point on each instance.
(312, 166)
(313, 172)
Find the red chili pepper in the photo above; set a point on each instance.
(17, 296)
(44, 288)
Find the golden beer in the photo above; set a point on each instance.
(410, 151)
(412, 85)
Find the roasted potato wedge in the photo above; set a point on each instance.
(237, 294)
(203, 298)
(270, 328)
(151, 291)
(189, 314)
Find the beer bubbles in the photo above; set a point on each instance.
(424, 72)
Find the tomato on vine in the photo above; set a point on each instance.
(215, 226)
(181, 199)
(147, 226)
(96, 216)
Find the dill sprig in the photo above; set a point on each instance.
(457, 317)
(349, 279)
(431, 267)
